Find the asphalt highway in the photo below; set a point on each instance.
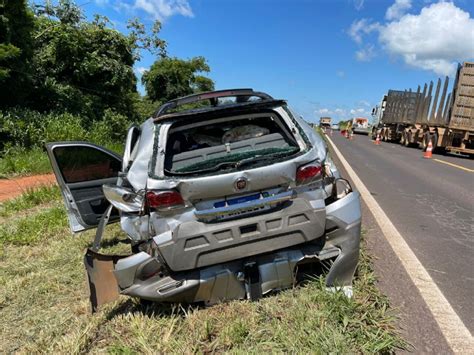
(431, 203)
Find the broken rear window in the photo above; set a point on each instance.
(227, 143)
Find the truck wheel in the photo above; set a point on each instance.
(434, 141)
(407, 139)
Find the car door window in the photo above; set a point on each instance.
(85, 164)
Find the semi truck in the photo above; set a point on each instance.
(414, 118)
(325, 122)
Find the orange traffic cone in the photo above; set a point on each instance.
(377, 140)
(429, 151)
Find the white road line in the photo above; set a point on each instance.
(453, 329)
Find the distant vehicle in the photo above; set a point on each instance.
(361, 125)
(335, 127)
(325, 122)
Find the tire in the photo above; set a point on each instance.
(407, 139)
(434, 141)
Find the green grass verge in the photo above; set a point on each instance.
(31, 198)
(18, 161)
(44, 307)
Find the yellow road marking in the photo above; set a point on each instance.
(455, 165)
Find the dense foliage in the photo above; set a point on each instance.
(16, 28)
(169, 78)
(63, 77)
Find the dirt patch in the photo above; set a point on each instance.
(10, 188)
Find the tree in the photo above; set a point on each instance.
(169, 78)
(86, 67)
(80, 67)
(16, 25)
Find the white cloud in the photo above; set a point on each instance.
(342, 113)
(102, 3)
(362, 27)
(359, 4)
(366, 54)
(398, 9)
(162, 9)
(435, 39)
(324, 111)
(364, 103)
(157, 9)
(340, 73)
(139, 71)
(358, 111)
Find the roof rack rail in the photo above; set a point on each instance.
(243, 94)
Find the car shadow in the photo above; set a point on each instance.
(153, 309)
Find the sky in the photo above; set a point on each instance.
(326, 57)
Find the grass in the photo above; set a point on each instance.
(20, 162)
(29, 199)
(43, 295)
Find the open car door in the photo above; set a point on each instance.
(81, 169)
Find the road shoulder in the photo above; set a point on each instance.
(10, 188)
(417, 324)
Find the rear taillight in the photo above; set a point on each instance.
(308, 173)
(164, 199)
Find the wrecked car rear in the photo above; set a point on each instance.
(220, 202)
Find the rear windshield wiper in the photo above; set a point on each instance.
(258, 158)
(234, 164)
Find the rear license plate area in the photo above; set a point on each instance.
(237, 200)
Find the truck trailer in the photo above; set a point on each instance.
(416, 118)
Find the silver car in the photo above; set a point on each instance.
(224, 195)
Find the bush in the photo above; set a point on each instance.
(24, 132)
(20, 127)
(27, 128)
(22, 161)
(61, 127)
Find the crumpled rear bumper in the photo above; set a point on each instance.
(254, 276)
(141, 275)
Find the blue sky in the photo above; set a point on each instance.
(325, 57)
